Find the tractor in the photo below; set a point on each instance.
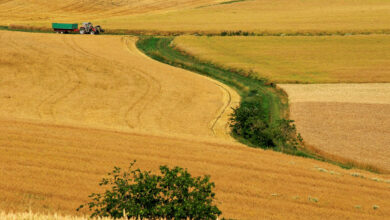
(88, 28)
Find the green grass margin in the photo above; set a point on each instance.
(275, 100)
(235, 78)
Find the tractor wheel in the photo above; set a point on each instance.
(92, 33)
(82, 31)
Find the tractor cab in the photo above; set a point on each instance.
(88, 28)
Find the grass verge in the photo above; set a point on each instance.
(257, 95)
(263, 107)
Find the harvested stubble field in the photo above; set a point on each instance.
(347, 120)
(206, 15)
(69, 113)
(291, 59)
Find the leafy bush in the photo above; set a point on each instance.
(251, 121)
(174, 194)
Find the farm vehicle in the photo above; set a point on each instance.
(86, 28)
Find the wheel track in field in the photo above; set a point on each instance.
(47, 106)
(137, 102)
(148, 97)
(229, 101)
(140, 104)
(222, 110)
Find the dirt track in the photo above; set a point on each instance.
(347, 120)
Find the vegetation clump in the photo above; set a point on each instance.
(174, 194)
(250, 121)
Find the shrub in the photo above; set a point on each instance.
(251, 121)
(174, 194)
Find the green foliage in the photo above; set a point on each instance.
(174, 194)
(251, 121)
(260, 120)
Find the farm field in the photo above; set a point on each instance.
(53, 168)
(67, 118)
(72, 107)
(206, 15)
(348, 120)
(102, 83)
(298, 59)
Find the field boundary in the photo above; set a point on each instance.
(241, 81)
(162, 49)
(258, 33)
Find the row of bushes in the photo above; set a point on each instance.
(301, 33)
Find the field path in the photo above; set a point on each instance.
(105, 82)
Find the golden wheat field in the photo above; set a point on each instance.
(103, 82)
(292, 59)
(205, 15)
(36, 216)
(347, 120)
(73, 107)
(52, 168)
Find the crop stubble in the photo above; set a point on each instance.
(348, 120)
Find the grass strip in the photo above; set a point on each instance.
(261, 102)
(271, 100)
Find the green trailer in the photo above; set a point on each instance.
(65, 28)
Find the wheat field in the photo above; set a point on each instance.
(205, 15)
(299, 59)
(73, 107)
(103, 82)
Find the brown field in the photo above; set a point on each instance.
(205, 15)
(72, 107)
(347, 120)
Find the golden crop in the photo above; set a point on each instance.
(292, 59)
(205, 15)
(69, 114)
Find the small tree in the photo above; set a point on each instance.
(174, 194)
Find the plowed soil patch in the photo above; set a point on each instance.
(347, 120)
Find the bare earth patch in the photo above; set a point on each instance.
(347, 120)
